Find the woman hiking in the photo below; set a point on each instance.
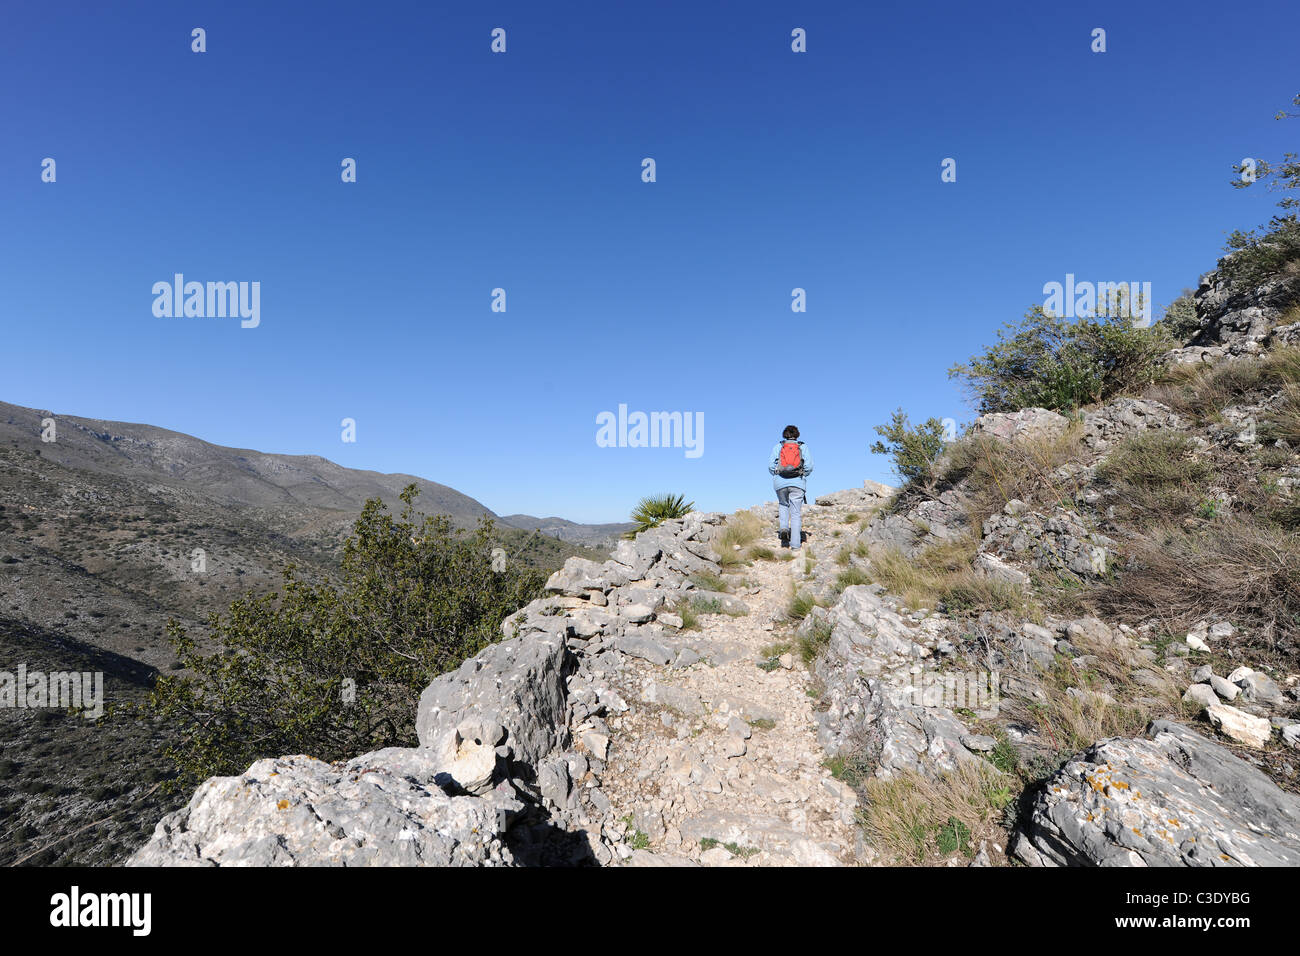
(790, 465)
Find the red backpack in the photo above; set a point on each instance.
(790, 464)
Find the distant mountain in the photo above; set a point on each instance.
(242, 476)
(238, 476)
(591, 535)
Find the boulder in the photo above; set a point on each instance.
(518, 684)
(577, 578)
(679, 699)
(1256, 687)
(381, 809)
(1122, 417)
(1028, 423)
(991, 566)
(645, 648)
(1171, 798)
(1224, 688)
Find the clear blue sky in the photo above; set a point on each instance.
(775, 170)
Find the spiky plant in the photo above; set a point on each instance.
(654, 510)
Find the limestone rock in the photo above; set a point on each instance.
(382, 809)
(1239, 725)
(1172, 798)
(646, 649)
(518, 684)
(1201, 694)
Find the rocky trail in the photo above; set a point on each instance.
(716, 758)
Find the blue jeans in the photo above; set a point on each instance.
(789, 508)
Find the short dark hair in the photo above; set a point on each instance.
(790, 433)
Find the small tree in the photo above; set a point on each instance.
(1258, 256)
(335, 669)
(1280, 176)
(914, 450)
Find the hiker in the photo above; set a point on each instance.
(790, 464)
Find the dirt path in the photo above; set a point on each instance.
(718, 761)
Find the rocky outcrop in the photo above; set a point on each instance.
(1236, 321)
(1059, 541)
(922, 524)
(512, 744)
(385, 808)
(882, 694)
(1172, 798)
(1123, 417)
(871, 495)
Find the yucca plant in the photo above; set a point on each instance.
(652, 511)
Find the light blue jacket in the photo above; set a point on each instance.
(777, 481)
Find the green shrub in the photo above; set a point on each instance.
(1048, 362)
(1255, 257)
(915, 450)
(413, 601)
(653, 511)
(1180, 319)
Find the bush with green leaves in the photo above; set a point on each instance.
(333, 669)
(1047, 361)
(654, 510)
(1260, 255)
(1180, 319)
(915, 450)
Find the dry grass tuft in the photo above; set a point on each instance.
(915, 820)
(1200, 392)
(994, 471)
(1157, 474)
(1235, 568)
(740, 530)
(942, 574)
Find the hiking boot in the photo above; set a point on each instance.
(785, 538)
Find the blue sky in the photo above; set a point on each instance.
(522, 171)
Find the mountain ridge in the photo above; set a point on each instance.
(251, 477)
